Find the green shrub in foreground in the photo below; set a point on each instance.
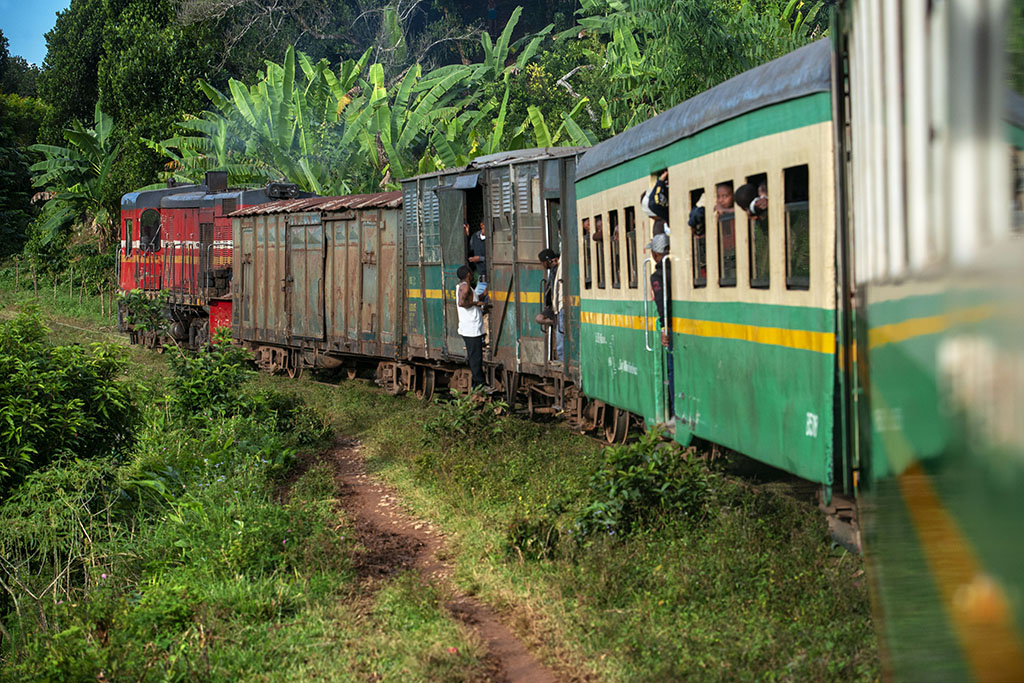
(58, 401)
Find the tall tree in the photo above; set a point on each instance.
(69, 83)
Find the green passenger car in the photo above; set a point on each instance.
(753, 321)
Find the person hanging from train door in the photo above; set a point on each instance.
(471, 324)
(654, 203)
(661, 290)
(553, 315)
(478, 257)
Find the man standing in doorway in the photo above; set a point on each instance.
(478, 257)
(471, 324)
(553, 313)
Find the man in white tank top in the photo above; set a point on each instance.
(471, 324)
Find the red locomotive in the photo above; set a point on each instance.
(177, 240)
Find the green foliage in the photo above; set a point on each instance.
(207, 385)
(655, 54)
(463, 420)
(69, 82)
(356, 130)
(17, 76)
(57, 401)
(77, 176)
(642, 481)
(144, 312)
(18, 124)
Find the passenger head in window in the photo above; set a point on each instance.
(745, 196)
(586, 226)
(753, 199)
(723, 194)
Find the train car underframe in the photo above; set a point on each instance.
(425, 378)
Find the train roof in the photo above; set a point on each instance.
(186, 196)
(805, 71)
(377, 200)
(504, 158)
(150, 199)
(202, 197)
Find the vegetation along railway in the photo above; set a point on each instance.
(855, 322)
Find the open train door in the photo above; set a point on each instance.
(305, 276)
(452, 203)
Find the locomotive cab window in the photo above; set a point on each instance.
(798, 228)
(599, 250)
(698, 233)
(149, 230)
(585, 230)
(128, 236)
(616, 253)
(631, 256)
(726, 219)
(757, 231)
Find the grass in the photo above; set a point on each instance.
(746, 585)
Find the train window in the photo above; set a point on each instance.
(228, 206)
(798, 228)
(586, 253)
(697, 224)
(599, 250)
(128, 236)
(615, 249)
(149, 230)
(726, 235)
(757, 233)
(631, 255)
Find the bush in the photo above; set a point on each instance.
(640, 481)
(464, 420)
(636, 485)
(58, 400)
(208, 384)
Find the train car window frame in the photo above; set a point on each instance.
(585, 250)
(699, 242)
(726, 218)
(128, 229)
(615, 249)
(759, 232)
(228, 206)
(796, 184)
(149, 235)
(599, 259)
(632, 264)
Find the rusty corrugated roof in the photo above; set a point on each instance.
(377, 200)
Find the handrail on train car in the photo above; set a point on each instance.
(647, 318)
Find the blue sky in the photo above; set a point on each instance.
(25, 21)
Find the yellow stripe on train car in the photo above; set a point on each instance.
(804, 340)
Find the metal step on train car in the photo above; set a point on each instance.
(177, 240)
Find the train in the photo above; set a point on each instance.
(855, 322)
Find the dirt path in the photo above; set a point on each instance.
(395, 541)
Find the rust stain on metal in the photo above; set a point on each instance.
(377, 200)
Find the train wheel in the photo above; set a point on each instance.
(425, 388)
(294, 366)
(616, 427)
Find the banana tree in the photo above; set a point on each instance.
(77, 177)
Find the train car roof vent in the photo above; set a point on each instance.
(216, 181)
(281, 190)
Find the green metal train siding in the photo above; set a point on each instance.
(516, 192)
(781, 415)
(947, 487)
